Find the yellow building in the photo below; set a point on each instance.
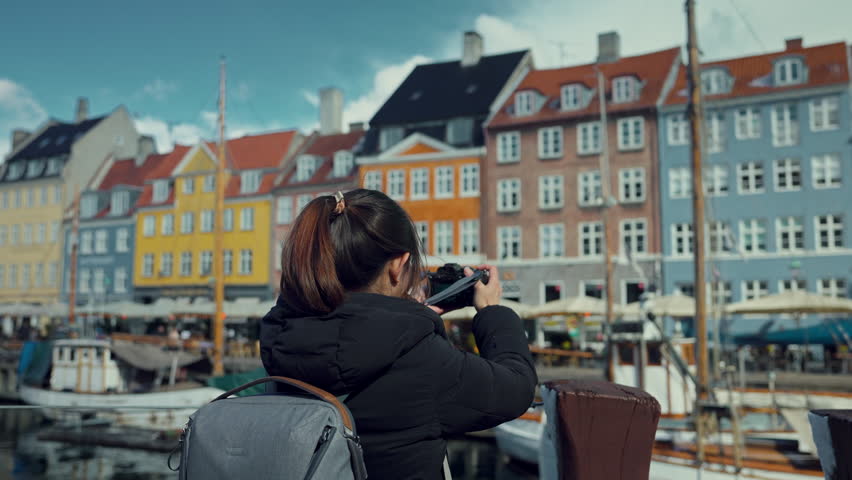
(175, 220)
(37, 185)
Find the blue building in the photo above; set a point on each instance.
(107, 231)
(777, 174)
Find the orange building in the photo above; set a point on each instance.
(438, 185)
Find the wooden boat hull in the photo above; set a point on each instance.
(124, 409)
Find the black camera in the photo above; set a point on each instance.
(450, 289)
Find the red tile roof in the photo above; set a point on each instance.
(651, 69)
(324, 147)
(163, 169)
(266, 150)
(826, 65)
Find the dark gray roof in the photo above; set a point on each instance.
(440, 91)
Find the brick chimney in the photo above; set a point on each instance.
(146, 146)
(331, 110)
(19, 136)
(82, 109)
(794, 43)
(472, 49)
(609, 47)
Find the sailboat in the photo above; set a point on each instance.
(129, 383)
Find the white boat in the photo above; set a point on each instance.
(87, 378)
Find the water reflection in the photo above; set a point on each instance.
(24, 457)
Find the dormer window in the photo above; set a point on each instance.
(161, 191)
(460, 131)
(343, 162)
(305, 167)
(16, 170)
(789, 71)
(572, 96)
(389, 136)
(89, 206)
(714, 81)
(249, 181)
(120, 203)
(54, 164)
(524, 103)
(624, 89)
(34, 168)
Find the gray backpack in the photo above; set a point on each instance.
(305, 433)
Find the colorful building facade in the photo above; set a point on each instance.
(542, 195)
(175, 221)
(777, 175)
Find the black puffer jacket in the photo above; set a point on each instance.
(412, 387)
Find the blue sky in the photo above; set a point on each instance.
(160, 58)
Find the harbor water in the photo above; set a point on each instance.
(24, 456)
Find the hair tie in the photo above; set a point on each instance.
(341, 204)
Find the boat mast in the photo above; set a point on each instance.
(695, 112)
(218, 241)
(605, 194)
(72, 278)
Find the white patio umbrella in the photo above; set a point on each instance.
(792, 302)
(467, 313)
(581, 305)
(677, 306)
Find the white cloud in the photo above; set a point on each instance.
(18, 109)
(159, 89)
(385, 81)
(310, 97)
(188, 133)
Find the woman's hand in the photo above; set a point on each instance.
(485, 295)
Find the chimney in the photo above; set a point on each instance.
(356, 127)
(609, 47)
(19, 136)
(145, 147)
(794, 43)
(82, 109)
(331, 110)
(472, 50)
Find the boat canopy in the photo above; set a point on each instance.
(151, 357)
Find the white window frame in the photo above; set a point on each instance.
(786, 169)
(524, 103)
(167, 224)
(86, 243)
(284, 210)
(588, 138)
(715, 132)
(833, 232)
(249, 181)
(41, 233)
(508, 147)
(205, 262)
(677, 128)
(209, 184)
(793, 228)
(509, 189)
(792, 285)
(84, 281)
(373, 180)
(591, 232)
(572, 96)
(419, 181)
(631, 133)
(423, 234)
(754, 289)
(636, 229)
(207, 221)
(101, 241)
(755, 174)
(625, 89)
(120, 203)
(509, 239)
(719, 237)
(161, 191)
(445, 182)
(469, 233)
(247, 219)
(188, 184)
(551, 192)
(783, 72)
(469, 180)
(629, 181)
(550, 142)
(751, 229)
(228, 220)
(343, 163)
(832, 287)
(683, 242)
(396, 184)
(119, 283)
(823, 168)
(246, 261)
(167, 263)
(443, 238)
(185, 264)
(785, 124)
(187, 222)
(99, 281)
(715, 181)
(122, 236)
(589, 183)
(228, 262)
(821, 112)
(747, 123)
(551, 240)
(680, 182)
(148, 265)
(714, 81)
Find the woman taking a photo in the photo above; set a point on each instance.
(348, 320)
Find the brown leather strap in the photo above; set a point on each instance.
(307, 388)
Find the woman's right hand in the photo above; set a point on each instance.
(485, 295)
